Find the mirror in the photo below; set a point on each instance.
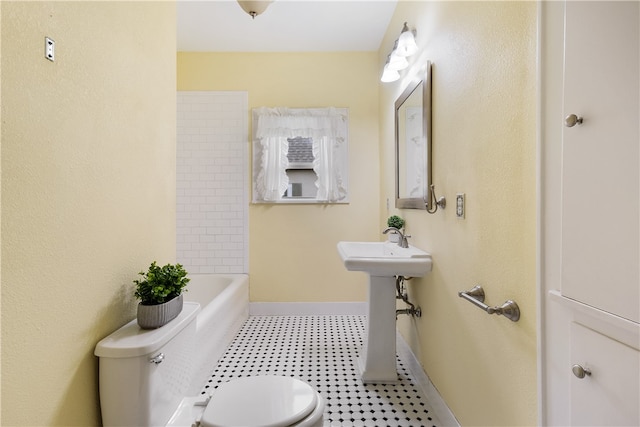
(413, 144)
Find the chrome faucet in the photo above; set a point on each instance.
(403, 243)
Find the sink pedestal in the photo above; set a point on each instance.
(378, 358)
(383, 261)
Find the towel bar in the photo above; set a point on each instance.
(475, 295)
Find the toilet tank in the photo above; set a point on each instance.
(144, 374)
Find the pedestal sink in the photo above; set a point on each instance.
(382, 261)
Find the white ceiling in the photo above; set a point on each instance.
(286, 26)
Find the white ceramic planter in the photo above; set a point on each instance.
(393, 237)
(155, 316)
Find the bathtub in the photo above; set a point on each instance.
(224, 307)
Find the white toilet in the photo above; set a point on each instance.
(144, 376)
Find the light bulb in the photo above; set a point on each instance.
(406, 42)
(397, 62)
(389, 75)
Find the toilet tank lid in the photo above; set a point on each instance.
(132, 341)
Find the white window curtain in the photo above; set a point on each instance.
(327, 128)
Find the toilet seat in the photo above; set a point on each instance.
(263, 401)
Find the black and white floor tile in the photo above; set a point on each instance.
(323, 351)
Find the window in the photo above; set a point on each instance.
(302, 177)
(300, 155)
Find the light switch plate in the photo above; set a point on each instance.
(460, 205)
(49, 49)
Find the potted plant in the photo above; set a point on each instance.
(160, 294)
(396, 222)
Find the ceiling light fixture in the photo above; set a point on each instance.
(404, 47)
(255, 7)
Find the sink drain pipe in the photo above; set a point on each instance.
(401, 293)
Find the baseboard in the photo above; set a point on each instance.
(440, 408)
(306, 308)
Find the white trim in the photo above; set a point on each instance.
(306, 308)
(620, 329)
(441, 411)
(552, 387)
(540, 300)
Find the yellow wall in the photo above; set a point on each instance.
(88, 168)
(484, 124)
(293, 256)
(88, 191)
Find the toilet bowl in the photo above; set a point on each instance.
(144, 375)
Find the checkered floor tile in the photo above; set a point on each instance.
(323, 351)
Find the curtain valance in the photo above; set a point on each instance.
(289, 123)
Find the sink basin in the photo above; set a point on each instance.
(384, 259)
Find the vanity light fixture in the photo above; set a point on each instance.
(404, 47)
(255, 7)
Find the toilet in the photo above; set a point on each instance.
(144, 376)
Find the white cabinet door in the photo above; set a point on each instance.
(601, 157)
(610, 396)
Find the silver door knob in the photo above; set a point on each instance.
(580, 372)
(571, 120)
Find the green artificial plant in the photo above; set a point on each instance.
(160, 284)
(395, 221)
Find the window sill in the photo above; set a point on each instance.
(299, 201)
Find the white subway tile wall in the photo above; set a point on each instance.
(212, 182)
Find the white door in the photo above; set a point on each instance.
(601, 157)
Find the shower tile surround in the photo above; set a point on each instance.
(323, 351)
(212, 181)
